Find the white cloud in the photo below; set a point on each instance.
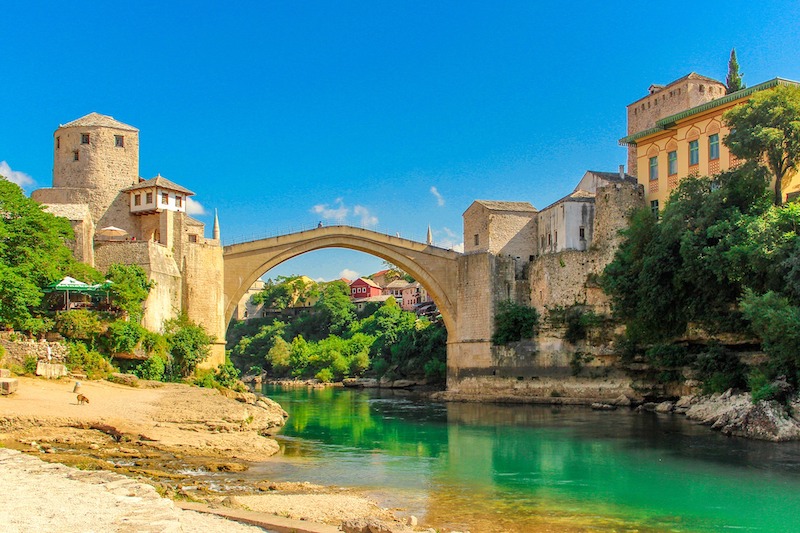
(338, 213)
(349, 274)
(15, 176)
(438, 195)
(367, 220)
(193, 207)
(447, 238)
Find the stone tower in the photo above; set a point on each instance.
(96, 157)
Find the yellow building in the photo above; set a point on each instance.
(688, 142)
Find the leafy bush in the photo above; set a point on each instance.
(325, 375)
(92, 363)
(188, 344)
(227, 375)
(719, 369)
(79, 324)
(124, 336)
(513, 322)
(579, 321)
(129, 289)
(153, 368)
(30, 364)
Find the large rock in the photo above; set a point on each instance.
(736, 415)
(665, 407)
(8, 385)
(372, 525)
(50, 370)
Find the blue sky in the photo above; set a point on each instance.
(395, 115)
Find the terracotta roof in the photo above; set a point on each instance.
(368, 282)
(159, 181)
(193, 222)
(397, 284)
(506, 206)
(575, 196)
(96, 119)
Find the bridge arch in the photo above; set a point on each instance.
(435, 268)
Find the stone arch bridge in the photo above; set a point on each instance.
(459, 284)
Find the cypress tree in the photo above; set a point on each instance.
(734, 79)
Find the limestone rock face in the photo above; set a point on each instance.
(736, 415)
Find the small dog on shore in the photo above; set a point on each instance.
(82, 399)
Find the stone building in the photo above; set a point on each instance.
(678, 131)
(119, 217)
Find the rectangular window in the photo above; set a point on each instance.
(694, 153)
(178, 201)
(672, 163)
(713, 147)
(58, 142)
(75, 155)
(137, 199)
(549, 239)
(84, 138)
(653, 168)
(192, 238)
(149, 198)
(654, 207)
(582, 233)
(477, 240)
(165, 198)
(119, 141)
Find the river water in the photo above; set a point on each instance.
(487, 468)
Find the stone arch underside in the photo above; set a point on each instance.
(436, 269)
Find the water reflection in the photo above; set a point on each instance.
(520, 468)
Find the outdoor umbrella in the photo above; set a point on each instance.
(66, 285)
(112, 231)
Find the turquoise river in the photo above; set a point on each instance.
(487, 467)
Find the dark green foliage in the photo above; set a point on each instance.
(188, 344)
(90, 362)
(720, 369)
(578, 361)
(734, 80)
(767, 127)
(513, 322)
(390, 338)
(129, 289)
(32, 254)
(227, 375)
(286, 291)
(124, 336)
(29, 364)
(79, 324)
(693, 265)
(153, 368)
(777, 322)
(579, 321)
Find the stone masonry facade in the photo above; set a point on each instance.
(95, 164)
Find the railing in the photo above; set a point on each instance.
(287, 230)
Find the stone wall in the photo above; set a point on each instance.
(203, 294)
(16, 351)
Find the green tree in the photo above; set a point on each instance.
(767, 128)
(513, 322)
(188, 344)
(129, 288)
(33, 253)
(734, 80)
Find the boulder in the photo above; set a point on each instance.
(598, 406)
(8, 385)
(665, 407)
(736, 415)
(124, 379)
(622, 401)
(50, 370)
(403, 383)
(372, 525)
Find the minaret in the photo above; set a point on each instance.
(216, 225)
(430, 235)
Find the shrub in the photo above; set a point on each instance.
(579, 321)
(94, 365)
(30, 364)
(325, 375)
(153, 368)
(227, 375)
(719, 369)
(79, 324)
(513, 322)
(204, 378)
(124, 336)
(188, 344)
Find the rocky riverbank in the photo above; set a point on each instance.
(173, 437)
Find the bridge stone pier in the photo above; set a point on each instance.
(465, 287)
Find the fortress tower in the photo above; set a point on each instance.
(98, 156)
